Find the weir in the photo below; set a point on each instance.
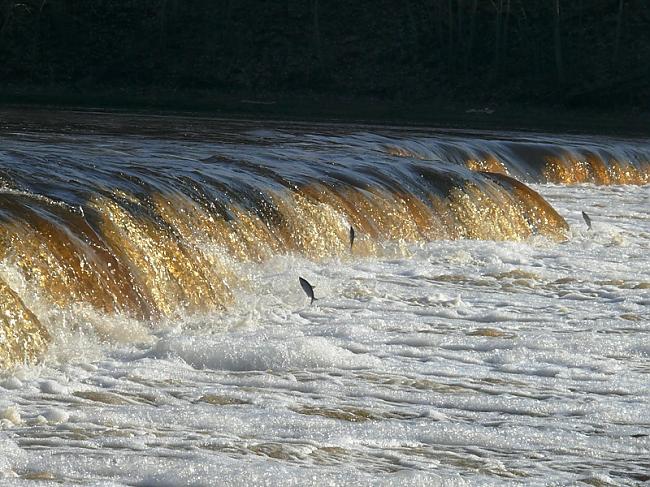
(151, 228)
(537, 159)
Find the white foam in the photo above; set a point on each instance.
(12, 415)
(55, 415)
(197, 469)
(52, 387)
(12, 383)
(504, 316)
(12, 457)
(255, 352)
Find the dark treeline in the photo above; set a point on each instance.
(592, 53)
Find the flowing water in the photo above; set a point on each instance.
(153, 330)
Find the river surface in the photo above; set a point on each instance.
(476, 332)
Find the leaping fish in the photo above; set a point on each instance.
(351, 238)
(308, 288)
(587, 220)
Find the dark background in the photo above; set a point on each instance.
(333, 56)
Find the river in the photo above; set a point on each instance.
(153, 330)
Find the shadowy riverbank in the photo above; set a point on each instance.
(555, 66)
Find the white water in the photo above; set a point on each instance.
(388, 379)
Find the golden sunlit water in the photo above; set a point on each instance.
(152, 235)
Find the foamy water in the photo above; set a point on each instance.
(446, 363)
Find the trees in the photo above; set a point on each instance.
(557, 42)
(497, 51)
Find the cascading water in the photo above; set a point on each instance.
(150, 227)
(153, 330)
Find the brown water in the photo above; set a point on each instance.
(147, 217)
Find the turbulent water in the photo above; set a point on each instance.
(153, 330)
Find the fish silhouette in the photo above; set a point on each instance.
(587, 220)
(308, 288)
(351, 238)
